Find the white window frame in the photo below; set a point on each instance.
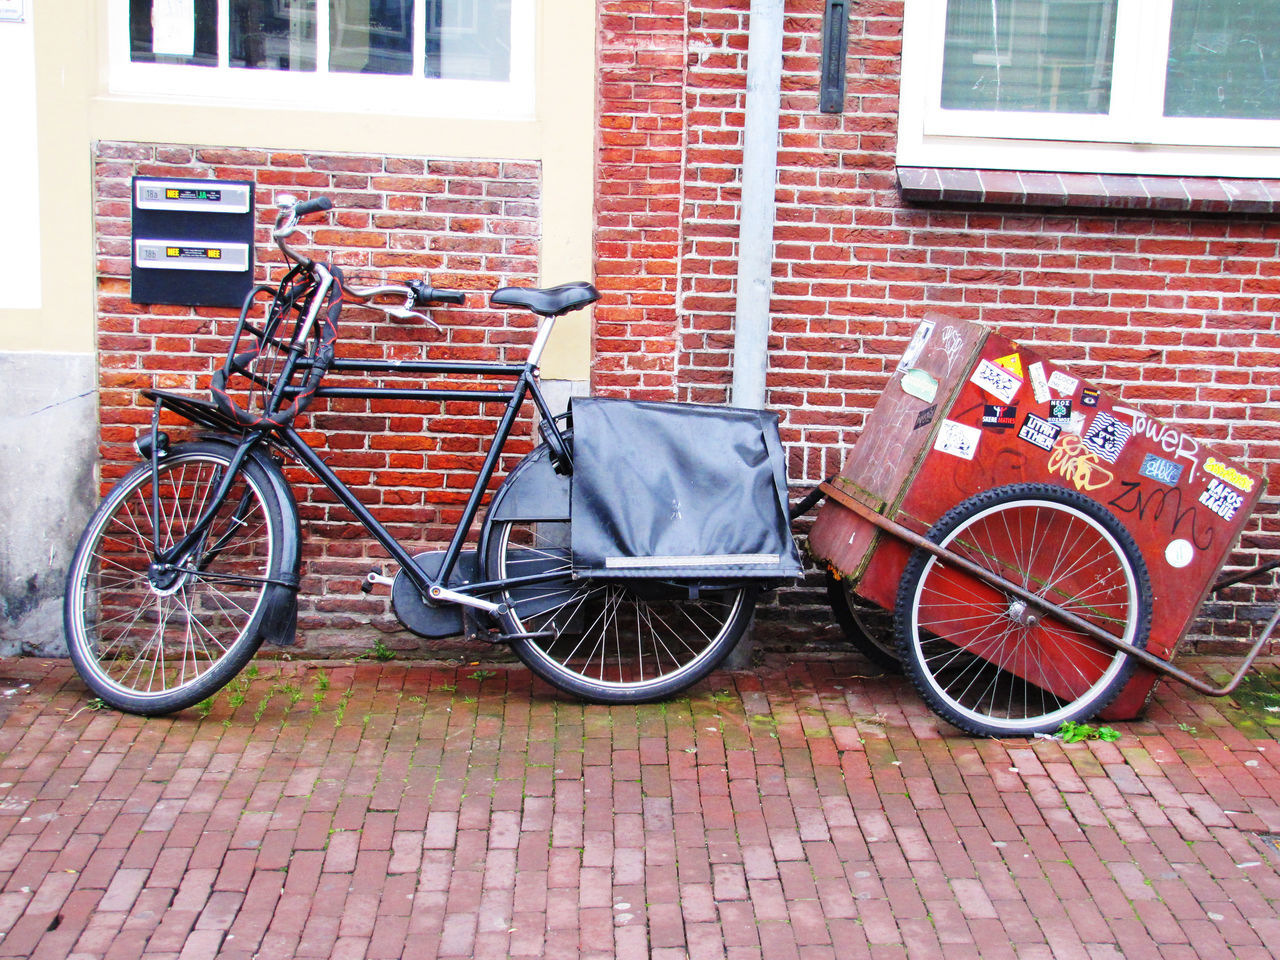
(1134, 137)
(320, 89)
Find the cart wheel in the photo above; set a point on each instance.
(867, 627)
(994, 665)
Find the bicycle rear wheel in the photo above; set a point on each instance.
(152, 644)
(625, 641)
(993, 664)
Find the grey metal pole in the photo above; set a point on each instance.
(759, 181)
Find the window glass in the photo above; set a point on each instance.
(371, 36)
(1050, 56)
(1224, 59)
(174, 31)
(469, 39)
(273, 34)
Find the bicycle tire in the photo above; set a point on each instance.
(151, 648)
(993, 665)
(645, 620)
(867, 627)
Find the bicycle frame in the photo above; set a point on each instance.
(289, 440)
(525, 386)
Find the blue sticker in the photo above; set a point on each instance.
(1107, 436)
(1161, 470)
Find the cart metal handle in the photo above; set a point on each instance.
(1159, 664)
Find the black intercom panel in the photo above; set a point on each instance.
(192, 241)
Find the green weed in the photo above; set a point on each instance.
(1073, 732)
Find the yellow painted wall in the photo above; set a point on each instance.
(75, 110)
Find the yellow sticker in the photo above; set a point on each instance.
(1012, 363)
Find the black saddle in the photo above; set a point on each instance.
(547, 301)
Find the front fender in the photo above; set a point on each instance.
(280, 603)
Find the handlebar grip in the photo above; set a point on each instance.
(313, 206)
(424, 293)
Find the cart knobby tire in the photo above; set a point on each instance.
(151, 648)
(994, 665)
(867, 627)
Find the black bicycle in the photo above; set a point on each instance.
(193, 558)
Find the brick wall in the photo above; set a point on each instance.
(1175, 312)
(473, 225)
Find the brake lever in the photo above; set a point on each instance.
(404, 313)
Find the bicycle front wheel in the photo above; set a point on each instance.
(993, 664)
(149, 643)
(611, 641)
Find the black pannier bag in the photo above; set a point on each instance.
(676, 490)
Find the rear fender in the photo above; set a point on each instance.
(532, 491)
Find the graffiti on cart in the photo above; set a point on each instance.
(1162, 506)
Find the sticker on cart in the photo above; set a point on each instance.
(919, 384)
(999, 416)
(958, 439)
(914, 348)
(1179, 553)
(1161, 470)
(1107, 436)
(1012, 363)
(1062, 384)
(1222, 500)
(1089, 396)
(1039, 432)
(1072, 461)
(925, 417)
(1060, 412)
(997, 381)
(1039, 385)
(1229, 475)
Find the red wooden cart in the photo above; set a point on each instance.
(1043, 547)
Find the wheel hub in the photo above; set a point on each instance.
(1021, 613)
(165, 579)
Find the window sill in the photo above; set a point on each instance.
(1089, 190)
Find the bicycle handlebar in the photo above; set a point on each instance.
(312, 206)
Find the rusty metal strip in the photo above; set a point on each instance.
(1159, 664)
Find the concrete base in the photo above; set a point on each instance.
(48, 453)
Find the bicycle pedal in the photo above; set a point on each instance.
(373, 579)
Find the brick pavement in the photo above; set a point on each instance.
(798, 810)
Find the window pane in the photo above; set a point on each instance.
(174, 31)
(371, 36)
(273, 34)
(1043, 55)
(1224, 59)
(469, 39)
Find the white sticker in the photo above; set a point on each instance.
(1063, 384)
(1039, 385)
(921, 337)
(958, 439)
(918, 383)
(1179, 553)
(997, 381)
